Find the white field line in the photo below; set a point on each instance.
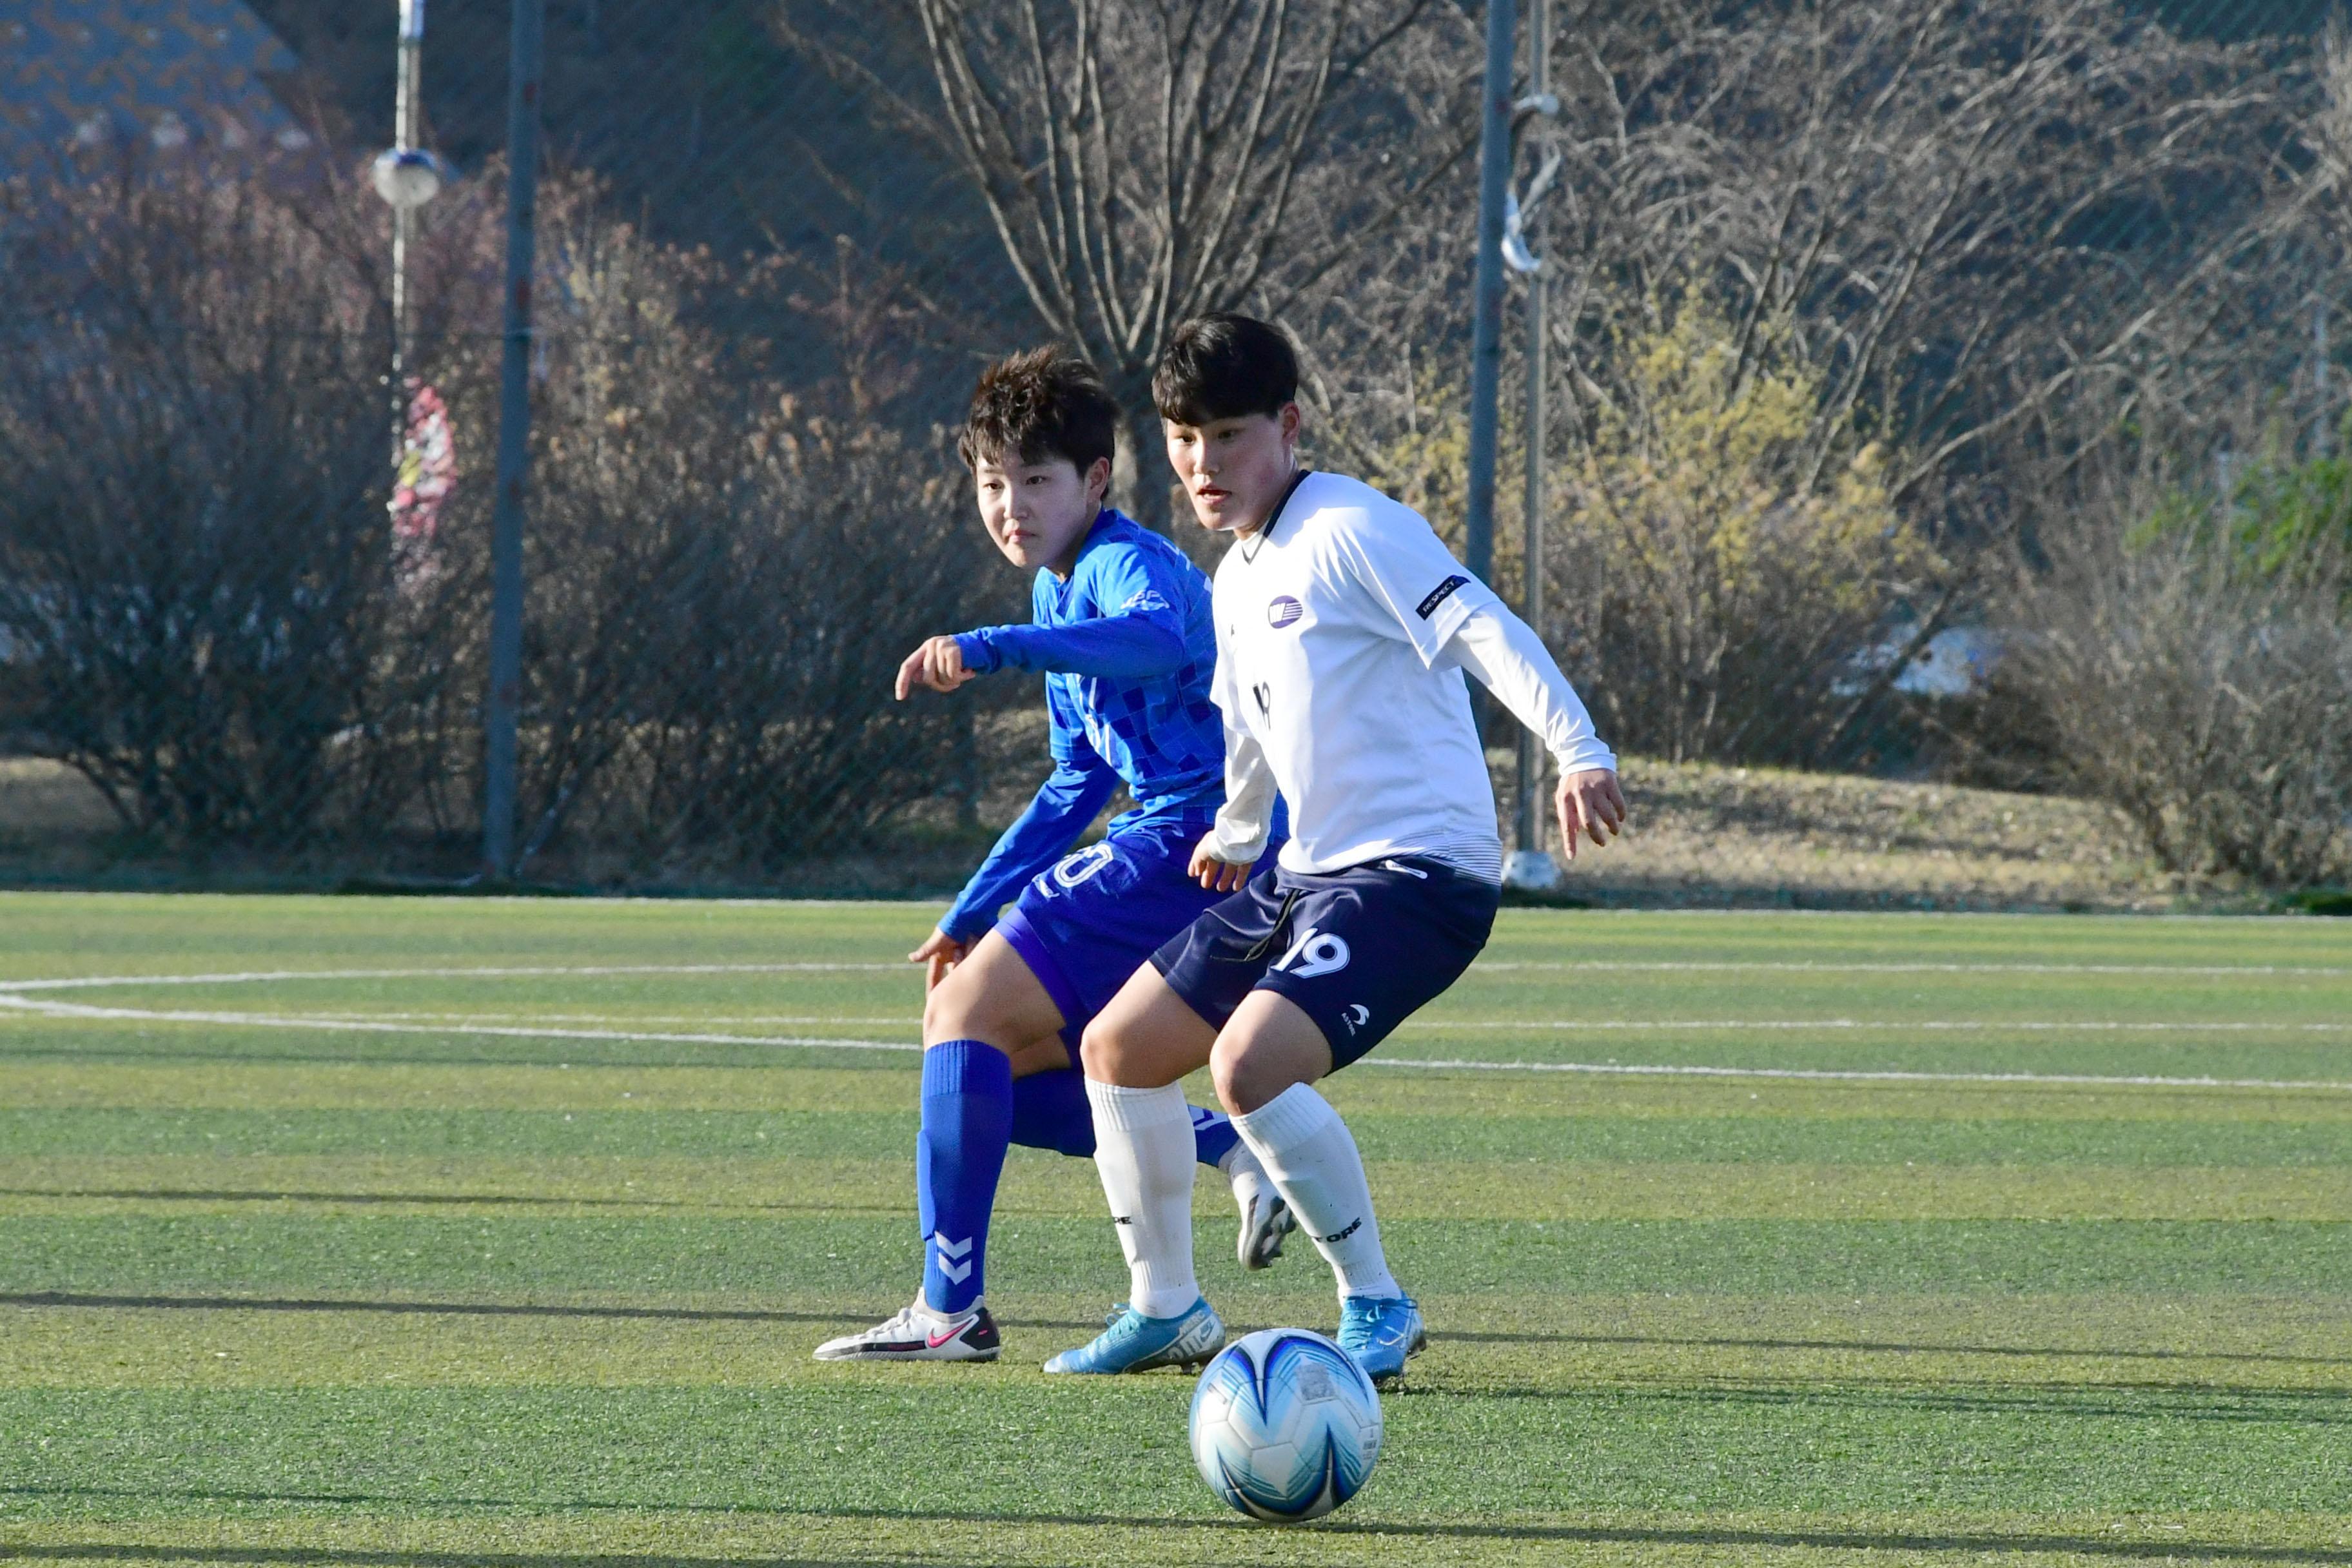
(1797, 966)
(367, 1026)
(249, 977)
(1855, 1075)
(351, 1026)
(706, 1020)
(1563, 1026)
(1953, 1025)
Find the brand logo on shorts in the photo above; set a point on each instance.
(1284, 611)
(1355, 1014)
(1315, 953)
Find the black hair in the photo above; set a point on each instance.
(1040, 405)
(1224, 365)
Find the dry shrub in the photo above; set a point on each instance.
(193, 555)
(2205, 698)
(1714, 596)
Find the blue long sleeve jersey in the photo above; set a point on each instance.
(1127, 648)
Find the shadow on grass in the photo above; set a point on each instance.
(1879, 1346)
(2314, 1407)
(231, 1195)
(327, 1557)
(1974, 1543)
(419, 1309)
(443, 1200)
(68, 1300)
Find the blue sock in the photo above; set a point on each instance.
(1050, 1111)
(967, 1121)
(1213, 1135)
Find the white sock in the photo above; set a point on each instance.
(1312, 1162)
(1143, 1150)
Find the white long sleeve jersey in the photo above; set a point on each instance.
(1343, 627)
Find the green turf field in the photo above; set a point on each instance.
(486, 1232)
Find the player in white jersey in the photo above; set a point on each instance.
(1343, 631)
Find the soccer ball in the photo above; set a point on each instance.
(1286, 1426)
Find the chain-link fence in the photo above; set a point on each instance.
(1937, 484)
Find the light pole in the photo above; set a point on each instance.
(1531, 865)
(406, 177)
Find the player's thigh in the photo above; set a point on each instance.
(1268, 1045)
(992, 995)
(1146, 1036)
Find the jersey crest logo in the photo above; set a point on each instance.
(1439, 594)
(1284, 611)
(1315, 953)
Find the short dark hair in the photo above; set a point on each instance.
(1041, 404)
(1224, 365)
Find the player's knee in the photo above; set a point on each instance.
(1109, 1049)
(957, 1009)
(1246, 1079)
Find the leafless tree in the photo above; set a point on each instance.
(1143, 161)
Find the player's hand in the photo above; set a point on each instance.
(1590, 805)
(1217, 876)
(939, 953)
(938, 664)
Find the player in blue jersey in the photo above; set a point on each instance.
(1120, 627)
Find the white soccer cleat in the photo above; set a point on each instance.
(1266, 1218)
(917, 1334)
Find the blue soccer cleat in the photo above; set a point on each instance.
(1134, 1342)
(1380, 1331)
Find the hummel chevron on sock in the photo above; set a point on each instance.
(1312, 1162)
(1143, 1151)
(967, 1122)
(1050, 1111)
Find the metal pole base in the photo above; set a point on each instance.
(1531, 871)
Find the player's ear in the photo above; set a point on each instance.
(1287, 421)
(1098, 480)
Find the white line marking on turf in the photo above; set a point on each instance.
(1710, 966)
(249, 977)
(1969, 1026)
(353, 1025)
(1863, 1075)
(88, 982)
(364, 1027)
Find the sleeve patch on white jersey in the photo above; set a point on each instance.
(1439, 594)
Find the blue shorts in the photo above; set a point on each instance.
(1357, 949)
(1089, 922)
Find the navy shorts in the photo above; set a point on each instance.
(1359, 950)
(1095, 916)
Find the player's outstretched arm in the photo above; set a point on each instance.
(1506, 656)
